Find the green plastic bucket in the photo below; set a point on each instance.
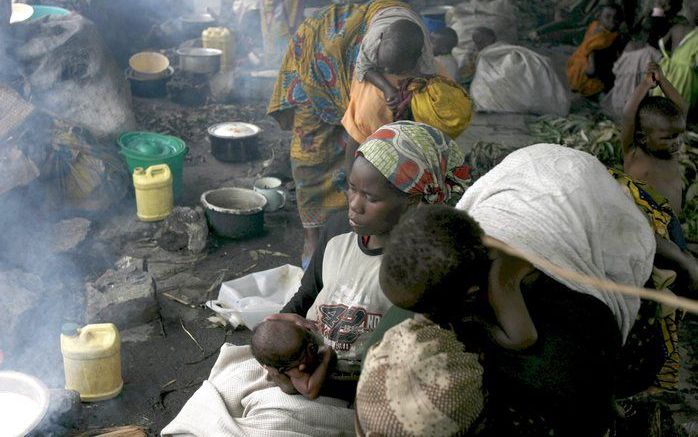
(143, 149)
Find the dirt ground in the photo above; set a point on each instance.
(162, 365)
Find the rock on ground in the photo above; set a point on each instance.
(124, 296)
(68, 234)
(20, 292)
(184, 228)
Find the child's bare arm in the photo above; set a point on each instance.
(284, 382)
(309, 385)
(516, 329)
(667, 88)
(389, 91)
(671, 256)
(630, 112)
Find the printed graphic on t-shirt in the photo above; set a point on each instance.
(343, 325)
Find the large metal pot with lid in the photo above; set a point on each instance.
(234, 141)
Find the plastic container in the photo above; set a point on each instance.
(42, 11)
(143, 149)
(220, 38)
(92, 360)
(154, 198)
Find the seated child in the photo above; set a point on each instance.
(680, 66)
(292, 351)
(444, 40)
(629, 70)
(589, 69)
(510, 78)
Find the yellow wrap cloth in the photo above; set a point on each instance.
(441, 103)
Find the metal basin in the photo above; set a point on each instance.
(235, 212)
(199, 60)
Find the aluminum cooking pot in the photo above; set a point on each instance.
(199, 60)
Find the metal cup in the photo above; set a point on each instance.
(270, 188)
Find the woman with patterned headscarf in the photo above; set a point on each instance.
(312, 92)
(400, 166)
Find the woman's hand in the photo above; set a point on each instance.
(304, 323)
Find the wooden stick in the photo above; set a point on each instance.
(679, 302)
(181, 322)
(179, 300)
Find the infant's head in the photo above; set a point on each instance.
(483, 37)
(400, 47)
(283, 345)
(443, 40)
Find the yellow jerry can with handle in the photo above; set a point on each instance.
(154, 198)
(222, 39)
(92, 360)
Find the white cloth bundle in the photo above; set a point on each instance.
(561, 204)
(237, 400)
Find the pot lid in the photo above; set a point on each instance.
(234, 130)
(150, 144)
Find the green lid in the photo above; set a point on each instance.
(150, 145)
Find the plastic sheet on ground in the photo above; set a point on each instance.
(248, 300)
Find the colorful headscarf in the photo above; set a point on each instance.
(419, 381)
(417, 159)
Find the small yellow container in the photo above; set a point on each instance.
(92, 360)
(154, 199)
(220, 38)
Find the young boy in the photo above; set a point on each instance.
(444, 40)
(629, 70)
(295, 354)
(455, 249)
(651, 136)
(589, 69)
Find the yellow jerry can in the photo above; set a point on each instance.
(92, 360)
(154, 198)
(222, 39)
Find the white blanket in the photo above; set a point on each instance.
(562, 205)
(237, 400)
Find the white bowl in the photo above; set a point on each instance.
(23, 402)
(21, 12)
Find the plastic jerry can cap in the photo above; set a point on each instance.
(70, 329)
